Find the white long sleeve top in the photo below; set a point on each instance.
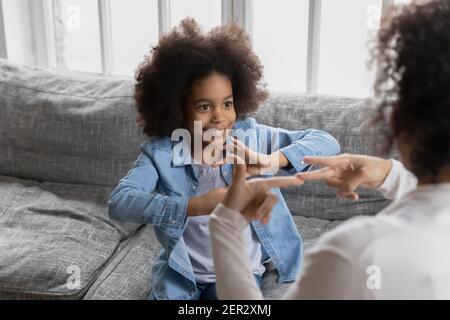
(401, 253)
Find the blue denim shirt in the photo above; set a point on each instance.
(156, 191)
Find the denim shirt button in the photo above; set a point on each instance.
(225, 173)
(173, 222)
(194, 187)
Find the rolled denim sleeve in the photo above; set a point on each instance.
(295, 145)
(135, 199)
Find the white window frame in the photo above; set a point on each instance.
(239, 11)
(104, 15)
(3, 50)
(42, 33)
(313, 46)
(164, 16)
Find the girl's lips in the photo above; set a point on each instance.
(215, 136)
(215, 131)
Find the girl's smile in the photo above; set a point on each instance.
(211, 102)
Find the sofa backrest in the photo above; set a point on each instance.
(349, 120)
(81, 129)
(66, 128)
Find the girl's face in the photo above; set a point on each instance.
(211, 102)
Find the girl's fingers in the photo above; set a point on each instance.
(253, 157)
(236, 150)
(263, 161)
(250, 154)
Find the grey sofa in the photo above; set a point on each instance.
(65, 142)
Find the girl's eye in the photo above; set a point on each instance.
(228, 104)
(203, 107)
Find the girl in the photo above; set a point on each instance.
(210, 79)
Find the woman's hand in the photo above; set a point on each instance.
(347, 172)
(253, 198)
(205, 204)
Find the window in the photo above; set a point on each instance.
(344, 50)
(280, 39)
(313, 46)
(206, 12)
(134, 31)
(18, 41)
(79, 35)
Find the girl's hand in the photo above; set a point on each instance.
(205, 204)
(257, 163)
(253, 198)
(347, 172)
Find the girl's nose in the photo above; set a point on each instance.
(217, 115)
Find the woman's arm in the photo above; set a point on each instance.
(234, 278)
(245, 200)
(398, 182)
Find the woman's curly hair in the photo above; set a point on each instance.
(186, 54)
(413, 82)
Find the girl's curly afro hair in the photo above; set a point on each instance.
(186, 54)
(413, 84)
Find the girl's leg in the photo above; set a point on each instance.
(200, 290)
(210, 291)
(196, 296)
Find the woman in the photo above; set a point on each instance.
(402, 253)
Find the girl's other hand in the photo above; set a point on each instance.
(205, 204)
(256, 163)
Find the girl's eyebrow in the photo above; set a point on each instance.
(202, 100)
(211, 100)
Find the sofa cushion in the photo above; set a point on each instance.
(51, 231)
(346, 119)
(128, 275)
(65, 127)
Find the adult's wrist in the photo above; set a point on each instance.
(386, 165)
